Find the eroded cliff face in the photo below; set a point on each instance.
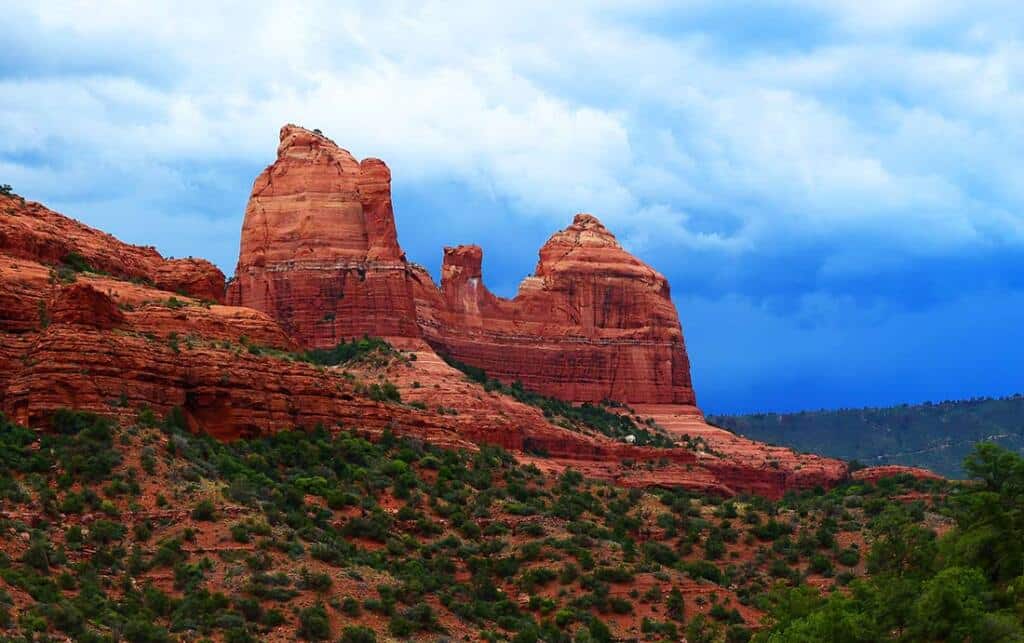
(319, 251)
(28, 230)
(320, 254)
(99, 343)
(593, 323)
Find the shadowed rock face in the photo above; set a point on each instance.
(320, 254)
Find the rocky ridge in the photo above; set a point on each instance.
(98, 325)
(33, 232)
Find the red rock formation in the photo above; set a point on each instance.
(319, 251)
(30, 231)
(593, 323)
(874, 474)
(81, 304)
(320, 254)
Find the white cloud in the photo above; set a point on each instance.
(556, 107)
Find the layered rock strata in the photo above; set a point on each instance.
(319, 251)
(115, 347)
(28, 230)
(320, 254)
(593, 323)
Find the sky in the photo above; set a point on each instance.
(834, 189)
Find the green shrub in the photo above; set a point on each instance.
(358, 634)
(317, 582)
(821, 565)
(313, 624)
(350, 606)
(849, 557)
(703, 569)
(384, 392)
(240, 533)
(714, 546)
(675, 607)
(76, 262)
(345, 352)
(205, 510)
(418, 618)
(104, 532)
(659, 553)
(666, 630)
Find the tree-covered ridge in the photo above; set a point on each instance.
(936, 436)
(149, 533)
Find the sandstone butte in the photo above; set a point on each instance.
(320, 254)
(320, 262)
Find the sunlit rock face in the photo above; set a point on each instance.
(320, 254)
(593, 323)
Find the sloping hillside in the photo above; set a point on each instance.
(142, 531)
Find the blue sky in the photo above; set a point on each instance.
(834, 189)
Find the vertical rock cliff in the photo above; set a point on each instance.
(319, 251)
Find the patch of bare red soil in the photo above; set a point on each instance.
(874, 474)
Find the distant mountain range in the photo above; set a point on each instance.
(936, 436)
